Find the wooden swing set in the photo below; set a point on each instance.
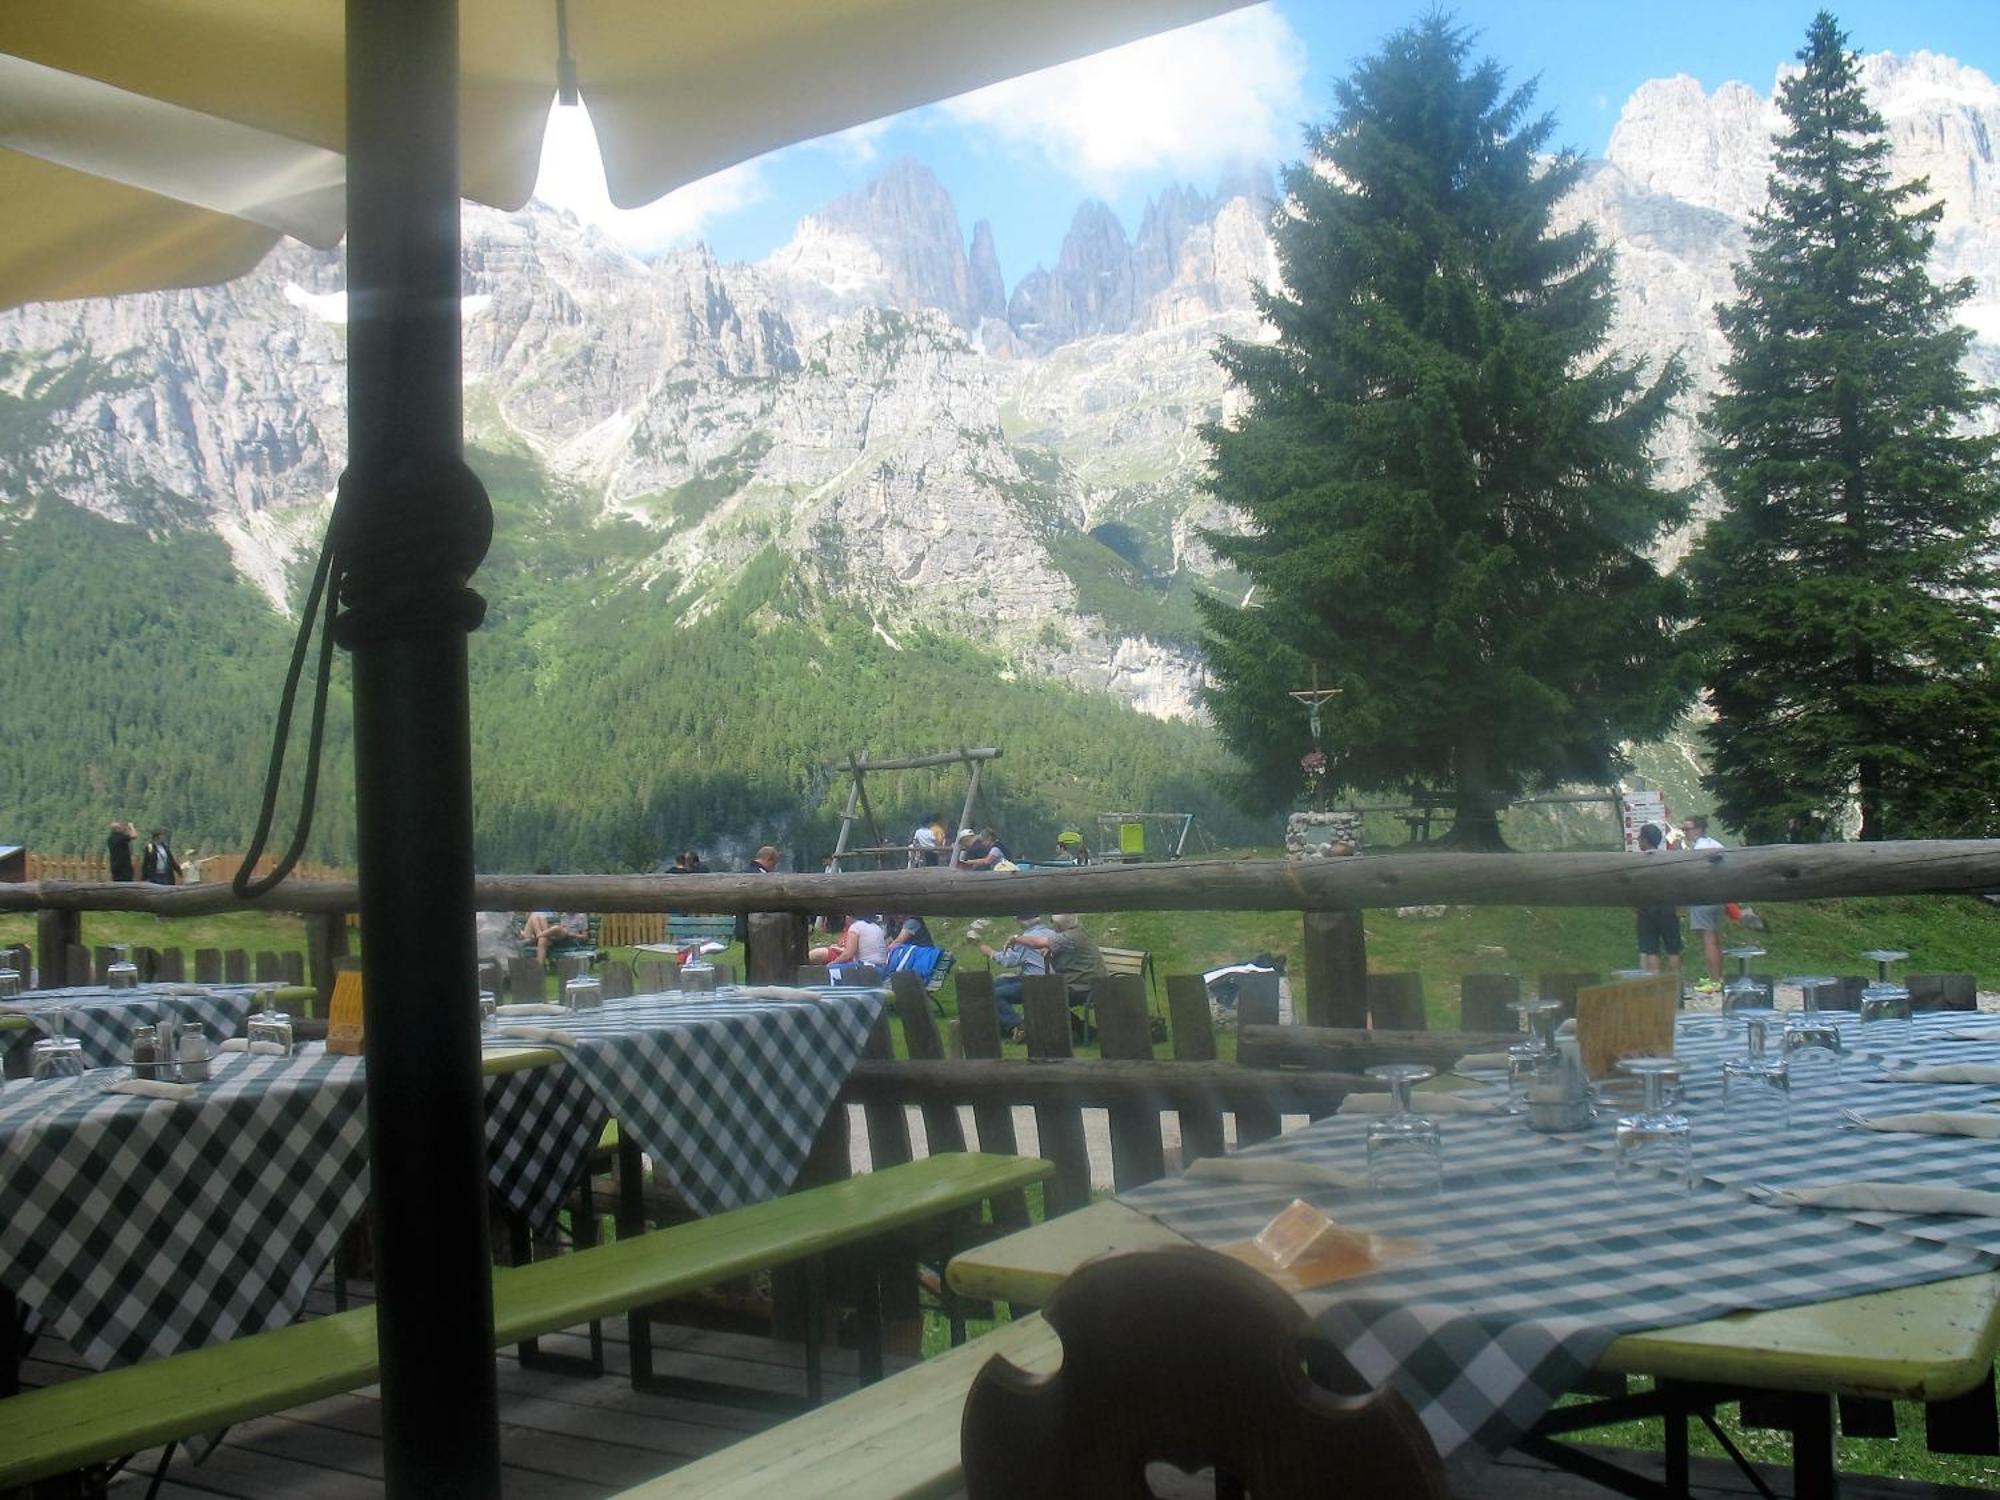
(888, 855)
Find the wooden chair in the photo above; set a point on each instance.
(1186, 1357)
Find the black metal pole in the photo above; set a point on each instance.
(411, 528)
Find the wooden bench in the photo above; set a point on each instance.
(894, 1440)
(1135, 961)
(683, 932)
(101, 1418)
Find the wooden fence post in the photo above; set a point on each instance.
(235, 967)
(1486, 1002)
(775, 948)
(979, 1037)
(1125, 1032)
(1194, 1041)
(1256, 1005)
(1058, 1125)
(942, 1130)
(1396, 1002)
(208, 966)
(1336, 951)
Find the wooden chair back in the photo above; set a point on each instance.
(1183, 1356)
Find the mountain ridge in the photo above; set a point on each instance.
(1021, 467)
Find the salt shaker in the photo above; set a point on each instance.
(194, 1055)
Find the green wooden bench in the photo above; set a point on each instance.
(683, 931)
(894, 1440)
(101, 1418)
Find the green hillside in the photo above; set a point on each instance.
(140, 675)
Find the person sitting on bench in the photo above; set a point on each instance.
(1024, 959)
(546, 930)
(1072, 953)
(862, 941)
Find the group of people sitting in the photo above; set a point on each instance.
(1052, 945)
(883, 944)
(981, 849)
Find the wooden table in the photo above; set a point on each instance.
(1923, 1343)
(1919, 1343)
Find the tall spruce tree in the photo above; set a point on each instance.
(1844, 587)
(1445, 478)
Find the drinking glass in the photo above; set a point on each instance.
(1882, 958)
(1657, 1138)
(10, 981)
(1539, 1018)
(1742, 992)
(583, 993)
(58, 1059)
(697, 974)
(488, 1010)
(273, 1027)
(1812, 1041)
(1405, 1150)
(1757, 1087)
(121, 973)
(1885, 1013)
(1521, 1060)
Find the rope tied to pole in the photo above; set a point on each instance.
(424, 524)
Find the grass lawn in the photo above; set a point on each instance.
(252, 931)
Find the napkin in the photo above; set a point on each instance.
(1945, 1073)
(151, 1088)
(1278, 1171)
(1936, 1122)
(1423, 1104)
(260, 1049)
(1893, 1197)
(1491, 1062)
(505, 1011)
(778, 992)
(548, 1036)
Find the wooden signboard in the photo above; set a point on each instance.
(343, 1019)
(1633, 1018)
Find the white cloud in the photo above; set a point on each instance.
(572, 177)
(1190, 101)
(859, 144)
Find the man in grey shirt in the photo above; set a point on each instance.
(1024, 958)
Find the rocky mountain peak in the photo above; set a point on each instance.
(907, 219)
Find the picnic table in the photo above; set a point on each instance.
(102, 1018)
(1538, 1267)
(138, 1227)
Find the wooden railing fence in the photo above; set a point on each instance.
(1350, 1017)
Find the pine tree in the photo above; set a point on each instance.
(1844, 586)
(1445, 478)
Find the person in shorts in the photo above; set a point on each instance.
(1706, 920)
(1659, 926)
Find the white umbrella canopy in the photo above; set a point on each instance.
(122, 198)
(156, 143)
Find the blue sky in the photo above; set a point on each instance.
(1186, 106)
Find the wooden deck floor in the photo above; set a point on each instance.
(567, 1437)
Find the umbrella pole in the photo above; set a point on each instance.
(412, 527)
